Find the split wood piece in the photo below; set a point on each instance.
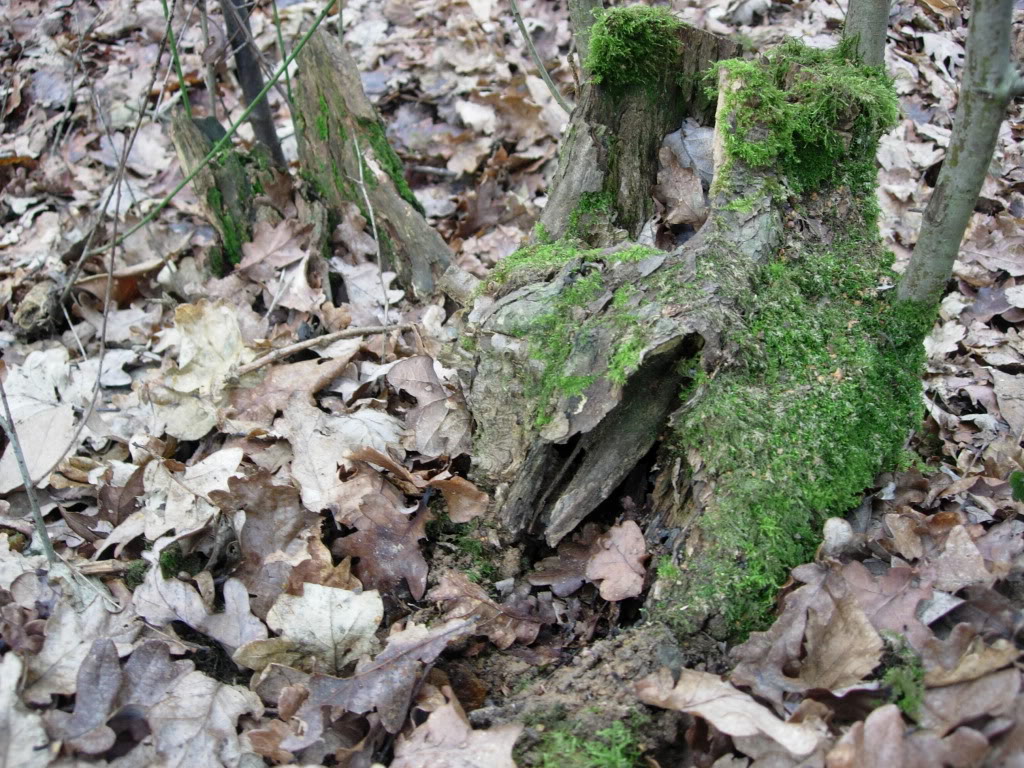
(339, 129)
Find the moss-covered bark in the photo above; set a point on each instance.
(642, 77)
(765, 359)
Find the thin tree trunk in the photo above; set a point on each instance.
(247, 66)
(868, 21)
(990, 81)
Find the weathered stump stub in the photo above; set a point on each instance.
(341, 139)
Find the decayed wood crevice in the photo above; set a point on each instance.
(610, 148)
(339, 130)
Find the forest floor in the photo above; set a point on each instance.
(296, 552)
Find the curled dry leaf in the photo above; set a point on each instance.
(503, 624)
(728, 709)
(384, 684)
(25, 737)
(440, 421)
(196, 722)
(447, 739)
(617, 562)
(185, 397)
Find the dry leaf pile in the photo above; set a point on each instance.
(279, 560)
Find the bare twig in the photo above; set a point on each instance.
(209, 76)
(536, 60)
(37, 514)
(176, 60)
(327, 338)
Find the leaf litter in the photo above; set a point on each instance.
(296, 553)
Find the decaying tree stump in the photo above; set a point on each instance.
(762, 363)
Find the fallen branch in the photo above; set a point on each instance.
(348, 333)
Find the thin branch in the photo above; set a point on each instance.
(30, 491)
(182, 85)
(327, 338)
(209, 76)
(220, 145)
(536, 60)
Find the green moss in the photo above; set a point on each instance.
(172, 562)
(541, 234)
(323, 120)
(136, 573)
(636, 46)
(389, 161)
(1017, 485)
(611, 747)
(591, 205)
(828, 396)
(468, 343)
(626, 358)
(815, 114)
(904, 674)
(667, 569)
(233, 233)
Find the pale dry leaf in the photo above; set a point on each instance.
(69, 637)
(876, 742)
(944, 339)
(177, 501)
(943, 709)
(726, 708)
(335, 626)
(24, 740)
(681, 191)
(964, 656)
(617, 562)
(447, 739)
(186, 397)
(44, 421)
(440, 422)
(320, 441)
(196, 722)
(161, 601)
(959, 565)
(842, 649)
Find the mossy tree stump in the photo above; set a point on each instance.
(763, 363)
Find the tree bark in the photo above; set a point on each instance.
(990, 81)
(868, 22)
(609, 153)
(756, 370)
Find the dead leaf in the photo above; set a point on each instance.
(196, 722)
(384, 684)
(327, 627)
(842, 649)
(440, 422)
(24, 743)
(617, 562)
(320, 441)
(447, 739)
(729, 710)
